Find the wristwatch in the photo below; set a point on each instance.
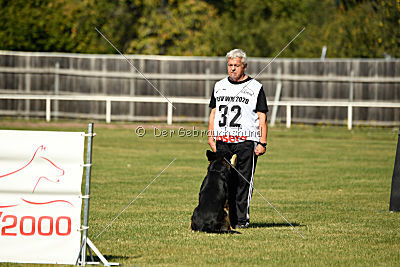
(263, 144)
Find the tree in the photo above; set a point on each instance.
(349, 28)
(369, 30)
(176, 28)
(63, 26)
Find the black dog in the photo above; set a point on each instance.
(210, 216)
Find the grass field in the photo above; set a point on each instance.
(332, 183)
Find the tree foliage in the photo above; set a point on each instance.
(349, 28)
(368, 29)
(176, 28)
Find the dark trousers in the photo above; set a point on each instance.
(240, 190)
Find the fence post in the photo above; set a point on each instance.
(132, 92)
(56, 88)
(48, 109)
(351, 97)
(288, 115)
(207, 94)
(277, 96)
(349, 116)
(351, 91)
(169, 113)
(108, 111)
(27, 86)
(162, 83)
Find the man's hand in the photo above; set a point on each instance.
(260, 150)
(212, 144)
(263, 128)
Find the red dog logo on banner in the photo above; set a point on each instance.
(49, 172)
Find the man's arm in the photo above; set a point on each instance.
(211, 140)
(263, 128)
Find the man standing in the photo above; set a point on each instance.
(238, 123)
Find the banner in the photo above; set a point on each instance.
(40, 196)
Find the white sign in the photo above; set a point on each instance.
(40, 196)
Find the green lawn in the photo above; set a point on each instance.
(333, 184)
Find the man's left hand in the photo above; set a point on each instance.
(260, 150)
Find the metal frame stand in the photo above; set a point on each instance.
(87, 244)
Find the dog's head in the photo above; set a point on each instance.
(218, 160)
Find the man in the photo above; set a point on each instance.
(238, 123)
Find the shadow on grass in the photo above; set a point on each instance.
(113, 258)
(270, 225)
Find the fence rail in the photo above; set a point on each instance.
(201, 101)
(197, 76)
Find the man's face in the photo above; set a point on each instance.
(236, 69)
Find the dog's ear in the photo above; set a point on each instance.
(211, 156)
(228, 155)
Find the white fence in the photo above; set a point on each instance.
(201, 101)
(53, 77)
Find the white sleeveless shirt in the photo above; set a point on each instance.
(236, 118)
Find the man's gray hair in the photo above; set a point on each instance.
(237, 53)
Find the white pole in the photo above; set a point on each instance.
(132, 92)
(323, 53)
(56, 88)
(288, 116)
(27, 86)
(89, 149)
(169, 114)
(48, 109)
(349, 116)
(351, 97)
(351, 89)
(108, 111)
(276, 100)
